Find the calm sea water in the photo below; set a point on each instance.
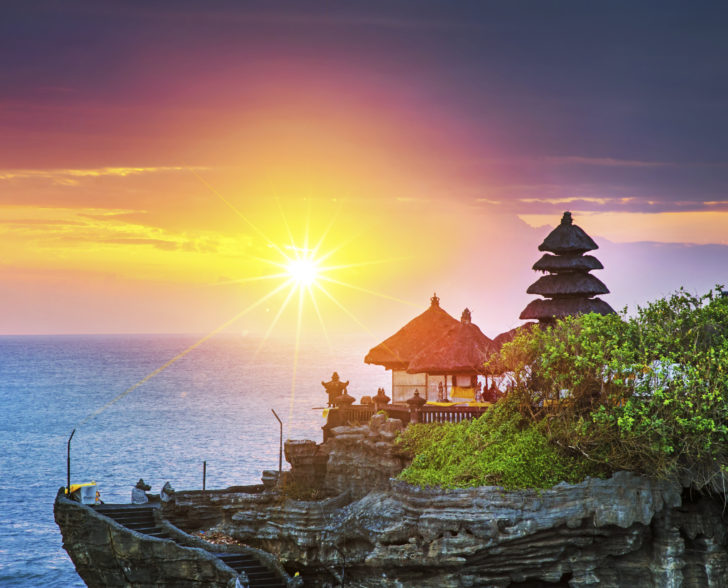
(212, 405)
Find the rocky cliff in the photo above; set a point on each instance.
(377, 532)
(107, 554)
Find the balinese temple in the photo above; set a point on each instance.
(568, 287)
(396, 352)
(460, 353)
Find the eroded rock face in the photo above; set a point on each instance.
(355, 459)
(628, 530)
(377, 532)
(108, 555)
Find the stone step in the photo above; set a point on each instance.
(140, 518)
(259, 575)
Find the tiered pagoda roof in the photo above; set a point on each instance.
(568, 287)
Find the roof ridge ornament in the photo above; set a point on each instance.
(566, 219)
(466, 318)
(434, 301)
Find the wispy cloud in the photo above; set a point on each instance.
(603, 161)
(571, 199)
(64, 227)
(71, 176)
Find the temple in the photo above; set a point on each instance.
(568, 287)
(460, 353)
(396, 352)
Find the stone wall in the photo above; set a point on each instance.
(355, 459)
(107, 554)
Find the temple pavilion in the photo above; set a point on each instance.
(460, 353)
(396, 352)
(568, 288)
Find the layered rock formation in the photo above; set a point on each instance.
(107, 554)
(625, 531)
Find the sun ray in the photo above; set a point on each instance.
(236, 211)
(295, 355)
(342, 307)
(366, 290)
(252, 279)
(179, 356)
(326, 231)
(285, 224)
(308, 227)
(362, 263)
(283, 307)
(320, 317)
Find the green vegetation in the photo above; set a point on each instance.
(500, 448)
(595, 394)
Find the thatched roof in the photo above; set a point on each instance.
(508, 336)
(567, 238)
(545, 310)
(577, 284)
(462, 350)
(397, 351)
(567, 263)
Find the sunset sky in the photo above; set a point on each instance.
(158, 159)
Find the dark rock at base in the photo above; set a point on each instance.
(107, 555)
(624, 531)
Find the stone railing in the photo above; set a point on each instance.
(360, 414)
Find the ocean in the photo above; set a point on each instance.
(212, 405)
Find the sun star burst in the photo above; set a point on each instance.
(304, 271)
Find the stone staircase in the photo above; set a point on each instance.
(140, 518)
(137, 517)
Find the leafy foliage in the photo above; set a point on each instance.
(647, 393)
(594, 394)
(499, 448)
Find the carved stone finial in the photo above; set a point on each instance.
(416, 401)
(466, 318)
(434, 301)
(335, 387)
(566, 219)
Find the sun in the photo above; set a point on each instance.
(304, 271)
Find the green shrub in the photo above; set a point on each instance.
(499, 448)
(594, 394)
(647, 393)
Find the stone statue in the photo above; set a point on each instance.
(416, 401)
(167, 493)
(381, 399)
(335, 388)
(138, 492)
(415, 404)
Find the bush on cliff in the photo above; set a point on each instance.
(595, 394)
(500, 448)
(647, 393)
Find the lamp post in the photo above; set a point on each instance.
(68, 465)
(280, 445)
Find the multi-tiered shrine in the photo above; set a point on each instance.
(568, 287)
